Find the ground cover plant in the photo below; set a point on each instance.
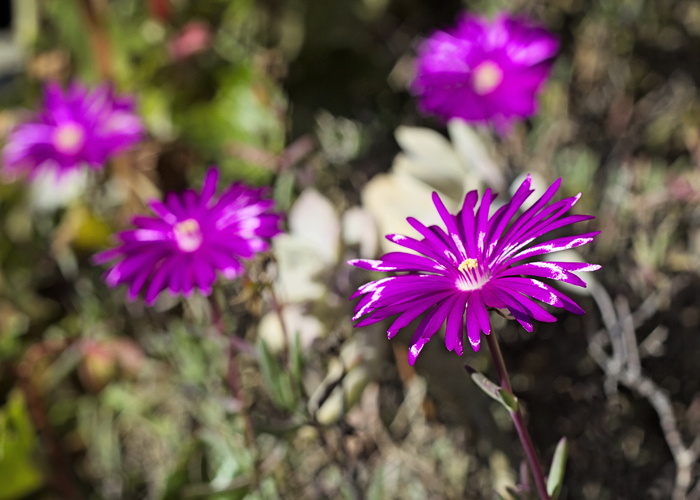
(350, 249)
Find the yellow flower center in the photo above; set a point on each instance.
(470, 277)
(468, 264)
(69, 138)
(486, 77)
(188, 235)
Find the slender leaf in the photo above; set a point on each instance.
(493, 390)
(556, 471)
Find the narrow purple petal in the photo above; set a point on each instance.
(433, 240)
(491, 299)
(419, 247)
(468, 223)
(137, 283)
(204, 276)
(190, 200)
(106, 256)
(517, 309)
(517, 303)
(550, 226)
(556, 245)
(530, 212)
(162, 211)
(176, 280)
(540, 291)
(418, 308)
(144, 235)
(500, 219)
(398, 261)
(211, 179)
(537, 231)
(398, 307)
(452, 229)
(147, 222)
(226, 263)
(454, 329)
(158, 281)
(431, 323)
(482, 215)
(482, 314)
(477, 320)
(527, 227)
(543, 269)
(128, 268)
(176, 205)
(397, 289)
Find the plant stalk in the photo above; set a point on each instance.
(233, 376)
(518, 421)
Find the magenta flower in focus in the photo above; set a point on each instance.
(192, 237)
(471, 265)
(76, 127)
(484, 71)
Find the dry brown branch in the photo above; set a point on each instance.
(623, 366)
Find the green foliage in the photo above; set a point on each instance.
(555, 478)
(283, 382)
(20, 473)
(244, 113)
(149, 412)
(494, 391)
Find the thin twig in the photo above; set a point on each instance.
(629, 345)
(93, 12)
(624, 366)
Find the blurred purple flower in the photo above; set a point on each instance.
(76, 127)
(474, 265)
(484, 71)
(192, 236)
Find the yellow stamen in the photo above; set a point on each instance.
(187, 226)
(188, 235)
(68, 138)
(487, 76)
(468, 264)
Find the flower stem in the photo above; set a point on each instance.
(277, 307)
(233, 376)
(518, 420)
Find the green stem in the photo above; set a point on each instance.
(277, 307)
(518, 420)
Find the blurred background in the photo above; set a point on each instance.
(105, 399)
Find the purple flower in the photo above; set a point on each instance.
(191, 237)
(484, 70)
(474, 264)
(76, 127)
